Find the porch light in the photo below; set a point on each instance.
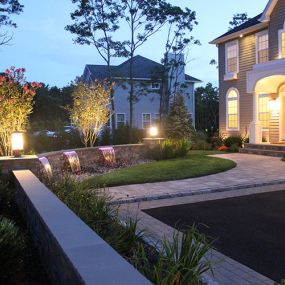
(274, 105)
(17, 143)
(153, 131)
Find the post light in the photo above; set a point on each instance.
(153, 131)
(17, 143)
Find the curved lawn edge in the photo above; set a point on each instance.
(196, 164)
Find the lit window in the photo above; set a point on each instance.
(155, 86)
(283, 44)
(232, 57)
(263, 111)
(262, 47)
(146, 120)
(120, 119)
(232, 110)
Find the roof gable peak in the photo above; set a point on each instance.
(268, 10)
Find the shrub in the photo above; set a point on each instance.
(126, 135)
(237, 140)
(170, 149)
(12, 244)
(181, 261)
(223, 148)
(200, 141)
(234, 148)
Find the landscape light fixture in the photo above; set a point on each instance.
(17, 143)
(153, 131)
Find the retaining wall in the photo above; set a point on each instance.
(72, 253)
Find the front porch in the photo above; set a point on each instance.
(266, 82)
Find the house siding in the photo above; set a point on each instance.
(247, 58)
(277, 19)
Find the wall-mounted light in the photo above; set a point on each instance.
(241, 35)
(17, 143)
(153, 131)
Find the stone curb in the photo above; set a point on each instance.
(196, 192)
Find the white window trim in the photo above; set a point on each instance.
(149, 119)
(257, 35)
(238, 111)
(152, 88)
(231, 75)
(117, 118)
(280, 32)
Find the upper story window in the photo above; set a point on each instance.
(262, 47)
(155, 86)
(120, 119)
(146, 120)
(233, 109)
(232, 57)
(282, 42)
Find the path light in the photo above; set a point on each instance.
(17, 143)
(153, 131)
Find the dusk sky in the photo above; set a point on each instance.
(46, 50)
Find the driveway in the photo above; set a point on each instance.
(251, 170)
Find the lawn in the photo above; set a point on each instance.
(195, 164)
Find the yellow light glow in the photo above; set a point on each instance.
(17, 141)
(274, 105)
(153, 131)
(241, 35)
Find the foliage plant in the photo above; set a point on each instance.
(90, 111)
(179, 121)
(181, 260)
(16, 103)
(12, 244)
(233, 140)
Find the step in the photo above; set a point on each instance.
(274, 147)
(267, 152)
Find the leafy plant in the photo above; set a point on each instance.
(233, 140)
(12, 245)
(181, 261)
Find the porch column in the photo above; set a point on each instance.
(255, 130)
(274, 119)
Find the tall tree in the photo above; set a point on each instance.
(238, 19)
(207, 108)
(7, 8)
(95, 23)
(144, 19)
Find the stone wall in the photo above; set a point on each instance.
(87, 157)
(71, 252)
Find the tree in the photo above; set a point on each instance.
(90, 111)
(179, 121)
(95, 22)
(207, 108)
(144, 18)
(16, 103)
(238, 19)
(7, 8)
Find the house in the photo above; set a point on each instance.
(252, 77)
(148, 87)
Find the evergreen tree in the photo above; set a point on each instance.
(179, 121)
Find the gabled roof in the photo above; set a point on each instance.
(143, 67)
(258, 22)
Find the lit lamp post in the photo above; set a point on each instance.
(153, 132)
(17, 143)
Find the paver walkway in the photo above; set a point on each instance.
(251, 170)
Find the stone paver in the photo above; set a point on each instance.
(251, 170)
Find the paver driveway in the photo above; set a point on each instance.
(250, 170)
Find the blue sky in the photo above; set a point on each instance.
(46, 50)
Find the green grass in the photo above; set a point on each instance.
(195, 164)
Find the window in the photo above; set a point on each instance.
(262, 47)
(263, 110)
(156, 119)
(146, 120)
(232, 109)
(232, 57)
(120, 119)
(282, 42)
(155, 86)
